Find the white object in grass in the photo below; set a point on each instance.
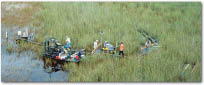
(95, 44)
(6, 34)
(24, 34)
(19, 33)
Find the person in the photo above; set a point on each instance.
(95, 44)
(106, 42)
(68, 42)
(105, 49)
(68, 46)
(148, 43)
(121, 49)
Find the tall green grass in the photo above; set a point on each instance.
(177, 27)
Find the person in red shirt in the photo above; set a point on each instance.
(121, 49)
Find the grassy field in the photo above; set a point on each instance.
(177, 27)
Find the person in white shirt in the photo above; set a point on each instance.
(95, 44)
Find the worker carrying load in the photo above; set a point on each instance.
(121, 49)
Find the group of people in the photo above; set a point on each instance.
(148, 44)
(107, 46)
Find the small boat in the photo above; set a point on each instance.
(53, 49)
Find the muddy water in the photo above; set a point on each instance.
(27, 66)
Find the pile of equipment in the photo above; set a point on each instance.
(54, 49)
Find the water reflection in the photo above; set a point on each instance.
(25, 66)
(52, 65)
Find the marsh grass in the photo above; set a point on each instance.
(177, 27)
(9, 47)
(26, 46)
(18, 13)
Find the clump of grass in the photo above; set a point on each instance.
(24, 46)
(10, 48)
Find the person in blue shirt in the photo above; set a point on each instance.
(68, 45)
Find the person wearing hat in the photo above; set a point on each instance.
(121, 49)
